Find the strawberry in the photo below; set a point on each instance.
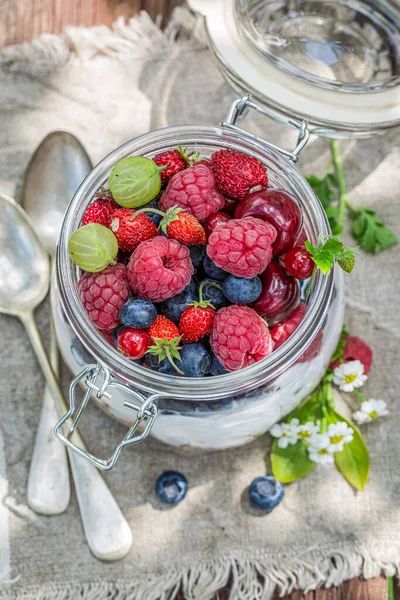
(175, 161)
(99, 211)
(236, 173)
(179, 225)
(164, 337)
(197, 318)
(131, 232)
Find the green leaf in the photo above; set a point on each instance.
(370, 232)
(324, 261)
(353, 461)
(325, 189)
(291, 463)
(333, 245)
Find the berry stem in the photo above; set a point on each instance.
(310, 283)
(203, 283)
(147, 210)
(343, 199)
(171, 360)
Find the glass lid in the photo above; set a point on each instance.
(347, 45)
(334, 63)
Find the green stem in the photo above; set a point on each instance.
(147, 210)
(359, 395)
(390, 588)
(343, 199)
(310, 283)
(203, 283)
(171, 360)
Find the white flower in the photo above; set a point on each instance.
(339, 435)
(318, 449)
(286, 432)
(349, 375)
(307, 430)
(370, 410)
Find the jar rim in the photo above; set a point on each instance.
(185, 387)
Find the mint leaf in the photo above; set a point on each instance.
(291, 463)
(370, 232)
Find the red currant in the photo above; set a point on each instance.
(133, 343)
(298, 262)
(213, 221)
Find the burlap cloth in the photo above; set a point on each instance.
(106, 87)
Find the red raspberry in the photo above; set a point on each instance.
(176, 161)
(242, 247)
(99, 211)
(159, 269)
(131, 232)
(239, 337)
(356, 349)
(194, 190)
(103, 294)
(282, 332)
(237, 173)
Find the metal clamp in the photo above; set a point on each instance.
(145, 408)
(241, 105)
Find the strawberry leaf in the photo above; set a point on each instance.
(370, 232)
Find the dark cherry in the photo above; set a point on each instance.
(230, 205)
(280, 294)
(299, 262)
(133, 343)
(278, 208)
(212, 222)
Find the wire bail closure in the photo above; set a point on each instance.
(239, 108)
(145, 408)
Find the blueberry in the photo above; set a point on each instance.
(116, 334)
(138, 313)
(214, 294)
(173, 307)
(266, 493)
(171, 487)
(241, 291)
(195, 360)
(216, 367)
(197, 253)
(213, 271)
(153, 204)
(162, 367)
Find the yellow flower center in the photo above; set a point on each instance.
(304, 434)
(350, 378)
(336, 439)
(373, 414)
(323, 451)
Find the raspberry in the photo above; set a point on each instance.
(99, 211)
(282, 332)
(194, 190)
(356, 349)
(237, 173)
(242, 247)
(159, 269)
(239, 337)
(103, 295)
(131, 232)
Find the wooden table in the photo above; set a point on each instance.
(23, 20)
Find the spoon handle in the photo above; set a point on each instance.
(49, 487)
(106, 529)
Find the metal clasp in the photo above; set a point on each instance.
(237, 110)
(146, 413)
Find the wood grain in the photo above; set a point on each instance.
(23, 20)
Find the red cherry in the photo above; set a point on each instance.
(212, 222)
(230, 205)
(299, 262)
(278, 208)
(280, 295)
(133, 343)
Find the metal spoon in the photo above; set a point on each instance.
(24, 283)
(57, 168)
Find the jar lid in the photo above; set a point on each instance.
(335, 63)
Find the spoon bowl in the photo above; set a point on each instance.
(24, 265)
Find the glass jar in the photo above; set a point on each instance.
(209, 413)
(335, 63)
